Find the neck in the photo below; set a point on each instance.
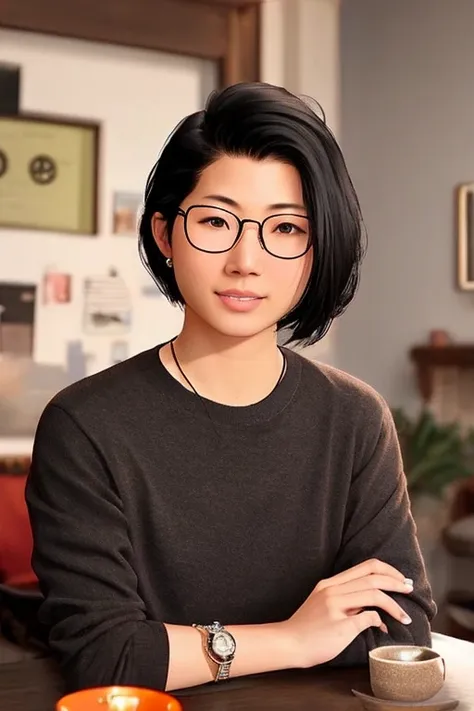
(225, 369)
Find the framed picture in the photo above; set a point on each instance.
(465, 237)
(48, 174)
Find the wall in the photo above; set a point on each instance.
(407, 127)
(138, 97)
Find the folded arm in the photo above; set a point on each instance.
(379, 525)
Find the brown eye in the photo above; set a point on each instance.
(218, 222)
(286, 228)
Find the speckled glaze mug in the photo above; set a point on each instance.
(406, 673)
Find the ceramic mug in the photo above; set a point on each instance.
(406, 673)
(118, 698)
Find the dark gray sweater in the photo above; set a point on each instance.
(145, 511)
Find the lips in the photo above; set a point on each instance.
(239, 301)
(240, 295)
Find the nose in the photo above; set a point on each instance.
(245, 258)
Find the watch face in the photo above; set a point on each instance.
(223, 645)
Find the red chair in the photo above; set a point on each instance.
(15, 533)
(20, 597)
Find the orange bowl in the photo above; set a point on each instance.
(118, 698)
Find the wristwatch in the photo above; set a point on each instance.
(220, 647)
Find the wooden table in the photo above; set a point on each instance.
(34, 685)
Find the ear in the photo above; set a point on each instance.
(160, 233)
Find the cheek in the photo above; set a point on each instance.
(292, 276)
(194, 269)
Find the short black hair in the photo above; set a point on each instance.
(259, 120)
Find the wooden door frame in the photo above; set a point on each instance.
(224, 31)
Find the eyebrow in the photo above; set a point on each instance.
(276, 206)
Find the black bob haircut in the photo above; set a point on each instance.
(260, 121)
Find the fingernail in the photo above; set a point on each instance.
(408, 582)
(406, 620)
(384, 628)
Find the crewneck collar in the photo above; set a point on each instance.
(248, 415)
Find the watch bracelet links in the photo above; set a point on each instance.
(223, 671)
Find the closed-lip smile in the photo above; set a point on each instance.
(241, 295)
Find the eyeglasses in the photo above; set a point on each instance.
(215, 230)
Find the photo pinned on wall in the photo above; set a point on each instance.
(17, 319)
(127, 209)
(56, 287)
(107, 305)
(27, 384)
(118, 352)
(17, 327)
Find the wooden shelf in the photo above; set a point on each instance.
(428, 358)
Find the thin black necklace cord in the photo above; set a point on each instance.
(178, 365)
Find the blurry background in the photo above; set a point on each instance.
(87, 98)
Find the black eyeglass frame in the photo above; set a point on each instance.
(185, 213)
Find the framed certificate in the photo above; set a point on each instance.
(465, 237)
(48, 174)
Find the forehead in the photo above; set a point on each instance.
(251, 182)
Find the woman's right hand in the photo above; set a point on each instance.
(334, 614)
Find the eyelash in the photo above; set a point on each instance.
(297, 229)
(210, 219)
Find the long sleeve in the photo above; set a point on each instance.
(83, 559)
(379, 525)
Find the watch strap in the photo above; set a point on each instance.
(223, 671)
(214, 668)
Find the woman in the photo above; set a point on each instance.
(219, 477)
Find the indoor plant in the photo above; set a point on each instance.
(434, 455)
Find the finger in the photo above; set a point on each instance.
(374, 598)
(373, 582)
(368, 567)
(364, 620)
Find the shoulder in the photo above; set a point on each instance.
(111, 390)
(350, 403)
(348, 390)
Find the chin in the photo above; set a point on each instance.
(247, 328)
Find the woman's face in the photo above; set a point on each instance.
(244, 291)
